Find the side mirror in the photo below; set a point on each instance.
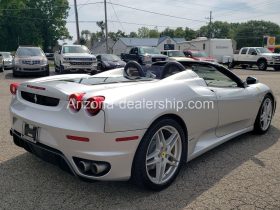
(254, 53)
(251, 80)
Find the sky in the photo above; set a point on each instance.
(191, 13)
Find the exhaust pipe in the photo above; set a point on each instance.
(84, 166)
(97, 168)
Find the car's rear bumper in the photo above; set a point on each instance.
(54, 128)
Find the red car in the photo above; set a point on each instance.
(199, 55)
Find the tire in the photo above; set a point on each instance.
(47, 73)
(244, 66)
(100, 67)
(15, 74)
(277, 68)
(61, 69)
(56, 68)
(262, 65)
(142, 174)
(231, 64)
(259, 126)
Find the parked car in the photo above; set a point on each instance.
(260, 56)
(94, 127)
(109, 61)
(175, 55)
(143, 55)
(1, 63)
(50, 56)
(74, 58)
(199, 55)
(30, 60)
(7, 60)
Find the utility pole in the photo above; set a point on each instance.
(106, 26)
(210, 25)
(77, 21)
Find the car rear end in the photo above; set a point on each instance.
(45, 123)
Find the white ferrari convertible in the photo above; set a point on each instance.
(135, 123)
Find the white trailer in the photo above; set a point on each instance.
(220, 49)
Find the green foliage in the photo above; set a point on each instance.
(251, 33)
(143, 32)
(32, 22)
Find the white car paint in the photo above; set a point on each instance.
(234, 113)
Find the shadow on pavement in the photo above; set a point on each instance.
(33, 184)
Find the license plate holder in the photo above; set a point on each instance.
(30, 132)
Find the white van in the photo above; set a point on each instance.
(220, 49)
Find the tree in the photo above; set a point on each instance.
(190, 34)
(168, 32)
(133, 34)
(86, 34)
(143, 32)
(43, 25)
(179, 32)
(117, 35)
(218, 29)
(153, 33)
(101, 25)
(251, 33)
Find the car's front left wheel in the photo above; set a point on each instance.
(160, 155)
(263, 120)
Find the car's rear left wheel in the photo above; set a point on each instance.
(160, 155)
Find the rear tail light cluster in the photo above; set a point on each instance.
(92, 105)
(75, 101)
(13, 88)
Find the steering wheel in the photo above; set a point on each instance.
(133, 69)
(171, 68)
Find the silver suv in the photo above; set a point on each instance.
(30, 60)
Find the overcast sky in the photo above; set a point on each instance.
(194, 12)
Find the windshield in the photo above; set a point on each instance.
(75, 49)
(263, 50)
(29, 52)
(110, 57)
(199, 54)
(5, 54)
(176, 54)
(149, 50)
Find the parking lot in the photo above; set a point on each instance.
(243, 173)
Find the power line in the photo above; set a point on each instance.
(117, 15)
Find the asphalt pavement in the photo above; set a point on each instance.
(243, 173)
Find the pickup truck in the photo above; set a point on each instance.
(262, 57)
(74, 58)
(143, 55)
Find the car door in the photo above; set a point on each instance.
(134, 54)
(234, 102)
(252, 56)
(242, 58)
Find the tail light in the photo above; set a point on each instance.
(13, 88)
(75, 101)
(94, 105)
